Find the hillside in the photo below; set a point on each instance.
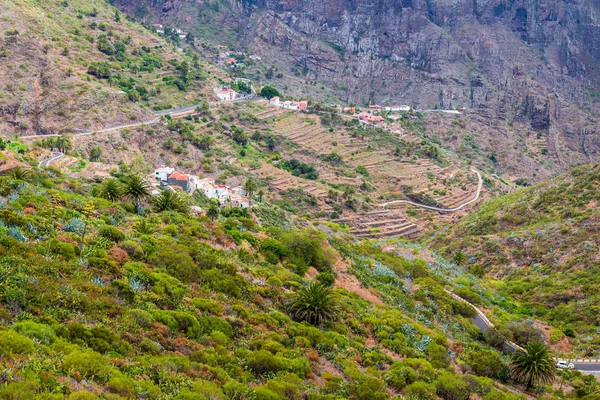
(67, 66)
(525, 70)
(98, 300)
(541, 244)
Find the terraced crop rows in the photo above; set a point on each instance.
(270, 112)
(381, 224)
(282, 180)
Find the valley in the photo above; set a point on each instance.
(266, 200)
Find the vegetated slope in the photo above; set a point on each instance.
(523, 69)
(543, 243)
(166, 305)
(67, 65)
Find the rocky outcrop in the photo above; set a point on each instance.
(535, 62)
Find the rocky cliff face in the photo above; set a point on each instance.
(532, 62)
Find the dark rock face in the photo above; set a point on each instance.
(535, 62)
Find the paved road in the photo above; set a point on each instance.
(48, 161)
(154, 120)
(590, 365)
(179, 110)
(460, 207)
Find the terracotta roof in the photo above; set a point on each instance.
(179, 176)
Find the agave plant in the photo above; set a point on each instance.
(534, 365)
(144, 227)
(20, 174)
(315, 304)
(168, 200)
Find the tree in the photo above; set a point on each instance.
(268, 92)
(111, 190)
(534, 365)
(168, 200)
(315, 304)
(213, 211)
(137, 189)
(95, 153)
(250, 187)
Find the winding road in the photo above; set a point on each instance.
(589, 365)
(48, 161)
(154, 120)
(460, 207)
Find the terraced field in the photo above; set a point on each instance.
(381, 224)
(279, 179)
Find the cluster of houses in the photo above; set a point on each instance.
(369, 118)
(290, 105)
(161, 29)
(168, 177)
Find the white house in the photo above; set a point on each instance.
(226, 94)
(290, 105)
(239, 201)
(162, 174)
(397, 108)
(274, 101)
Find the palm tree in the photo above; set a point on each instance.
(315, 304)
(137, 189)
(213, 211)
(168, 200)
(20, 174)
(111, 190)
(533, 366)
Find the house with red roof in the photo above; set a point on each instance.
(187, 183)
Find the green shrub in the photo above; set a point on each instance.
(67, 250)
(111, 233)
(399, 376)
(262, 362)
(102, 264)
(122, 290)
(325, 278)
(420, 391)
(41, 332)
(452, 387)
(179, 321)
(207, 305)
(13, 343)
(88, 364)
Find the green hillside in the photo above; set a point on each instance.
(100, 301)
(67, 65)
(542, 242)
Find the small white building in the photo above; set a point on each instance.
(162, 174)
(397, 108)
(274, 101)
(289, 105)
(227, 94)
(240, 201)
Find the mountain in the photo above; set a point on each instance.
(541, 244)
(526, 68)
(69, 66)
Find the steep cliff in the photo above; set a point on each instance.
(531, 62)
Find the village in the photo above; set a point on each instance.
(170, 179)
